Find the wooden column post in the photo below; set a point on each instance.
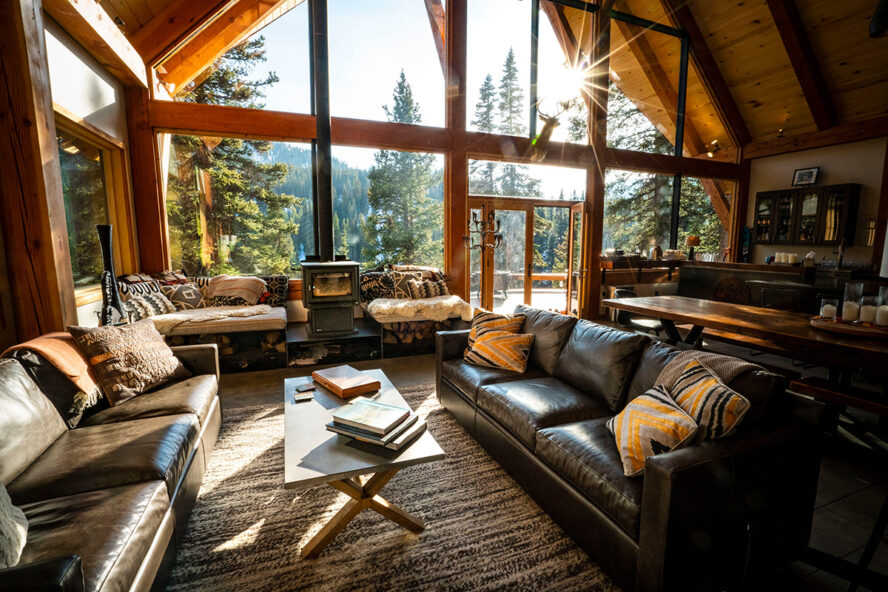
(148, 200)
(738, 212)
(593, 221)
(456, 164)
(32, 206)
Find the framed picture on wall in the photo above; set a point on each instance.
(805, 176)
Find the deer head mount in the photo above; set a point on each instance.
(539, 146)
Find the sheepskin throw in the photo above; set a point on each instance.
(438, 308)
(13, 531)
(165, 323)
(248, 289)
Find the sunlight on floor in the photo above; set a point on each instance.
(242, 539)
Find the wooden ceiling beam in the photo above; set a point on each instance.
(854, 131)
(804, 62)
(435, 10)
(710, 74)
(173, 25)
(92, 27)
(226, 31)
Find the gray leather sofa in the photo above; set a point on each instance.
(107, 501)
(690, 522)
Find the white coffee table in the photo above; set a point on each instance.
(314, 455)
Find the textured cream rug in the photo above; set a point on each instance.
(482, 531)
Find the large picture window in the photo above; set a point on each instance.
(84, 188)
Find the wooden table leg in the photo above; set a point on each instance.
(364, 496)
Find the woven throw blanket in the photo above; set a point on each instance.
(167, 322)
(437, 308)
(727, 368)
(247, 288)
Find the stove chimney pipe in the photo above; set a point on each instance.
(321, 146)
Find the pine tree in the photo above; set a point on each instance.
(404, 223)
(224, 211)
(482, 175)
(513, 179)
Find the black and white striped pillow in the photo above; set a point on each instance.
(427, 289)
(127, 291)
(141, 307)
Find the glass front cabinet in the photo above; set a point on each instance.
(807, 216)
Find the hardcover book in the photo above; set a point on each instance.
(345, 381)
(371, 416)
(370, 437)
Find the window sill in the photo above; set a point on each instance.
(87, 295)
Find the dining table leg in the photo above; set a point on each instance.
(674, 337)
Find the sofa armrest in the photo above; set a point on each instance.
(450, 344)
(199, 359)
(63, 574)
(699, 503)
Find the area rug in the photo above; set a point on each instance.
(482, 531)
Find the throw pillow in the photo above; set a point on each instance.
(134, 278)
(401, 280)
(278, 289)
(185, 296)
(128, 360)
(484, 321)
(141, 307)
(426, 272)
(376, 284)
(651, 424)
(500, 349)
(13, 531)
(127, 291)
(714, 406)
(169, 277)
(427, 289)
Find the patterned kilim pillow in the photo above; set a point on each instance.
(714, 406)
(128, 360)
(278, 286)
(500, 349)
(376, 284)
(141, 307)
(401, 280)
(490, 321)
(184, 296)
(127, 291)
(427, 289)
(170, 277)
(651, 424)
(425, 272)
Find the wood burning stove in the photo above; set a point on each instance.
(330, 292)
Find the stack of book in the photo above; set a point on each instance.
(377, 423)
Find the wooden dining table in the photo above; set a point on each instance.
(776, 331)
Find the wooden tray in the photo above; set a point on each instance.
(865, 331)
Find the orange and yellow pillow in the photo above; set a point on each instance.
(716, 408)
(500, 349)
(484, 321)
(650, 424)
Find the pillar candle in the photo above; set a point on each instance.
(793, 257)
(868, 313)
(829, 312)
(882, 316)
(850, 311)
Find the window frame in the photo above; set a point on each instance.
(118, 193)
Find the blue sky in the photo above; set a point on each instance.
(371, 42)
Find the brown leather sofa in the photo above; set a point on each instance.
(685, 524)
(106, 501)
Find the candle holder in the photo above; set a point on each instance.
(851, 302)
(483, 230)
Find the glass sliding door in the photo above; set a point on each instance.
(575, 260)
(550, 255)
(510, 262)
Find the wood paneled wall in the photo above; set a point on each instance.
(32, 208)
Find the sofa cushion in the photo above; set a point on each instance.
(551, 331)
(525, 406)
(274, 320)
(111, 529)
(652, 361)
(194, 395)
(29, 424)
(468, 378)
(600, 361)
(109, 455)
(584, 453)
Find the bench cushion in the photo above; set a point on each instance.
(525, 406)
(194, 395)
(274, 320)
(110, 455)
(584, 453)
(110, 529)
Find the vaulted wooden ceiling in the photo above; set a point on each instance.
(758, 65)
